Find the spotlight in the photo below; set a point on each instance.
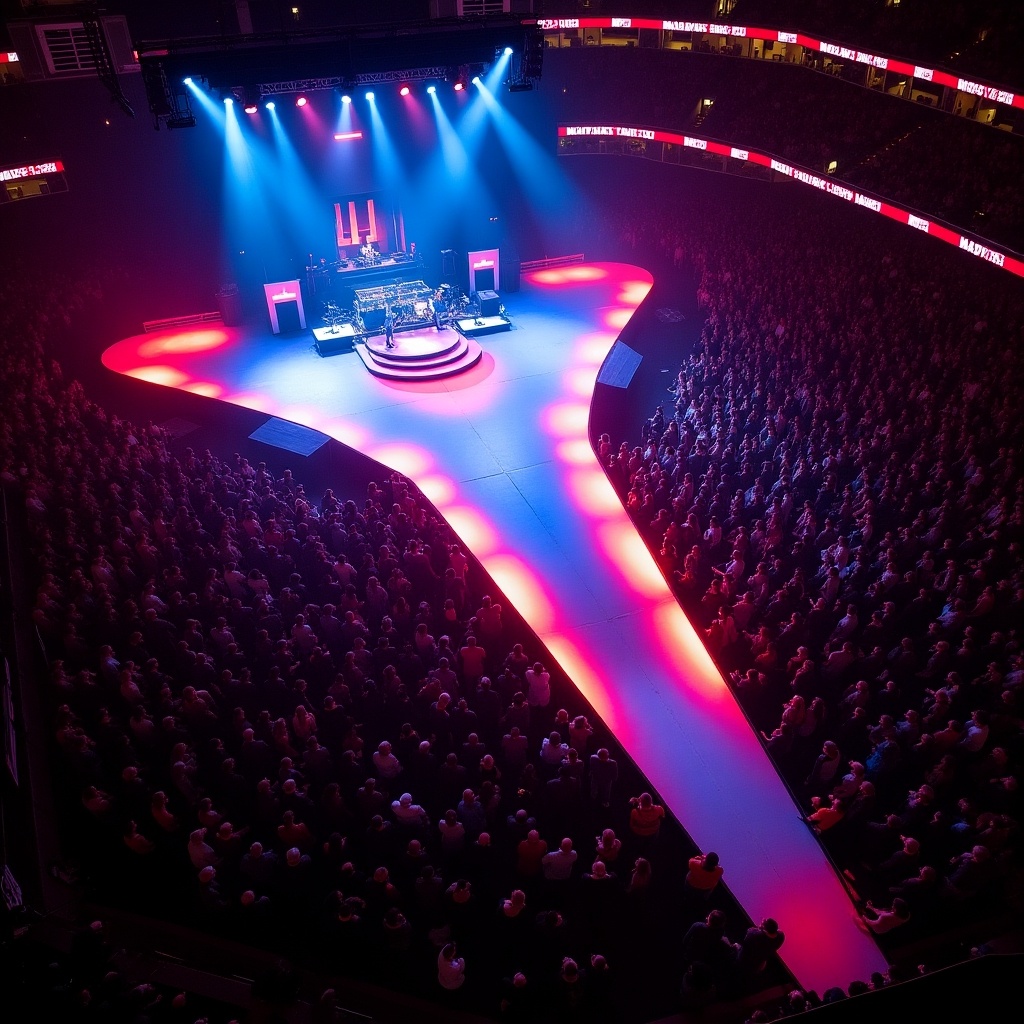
(346, 99)
(271, 105)
(250, 108)
(188, 81)
(459, 86)
(369, 96)
(228, 101)
(476, 79)
(404, 91)
(301, 101)
(431, 89)
(508, 51)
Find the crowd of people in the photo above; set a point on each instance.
(307, 724)
(947, 167)
(982, 40)
(834, 492)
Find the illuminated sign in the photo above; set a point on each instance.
(483, 261)
(32, 170)
(355, 235)
(9, 58)
(838, 50)
(283, 291)
(827, 185)
(983, 251)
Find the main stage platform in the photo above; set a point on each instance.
(504, 454)
(422, 355)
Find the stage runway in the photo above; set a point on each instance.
(503, 452)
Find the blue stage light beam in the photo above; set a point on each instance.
(244, 208)
(289, 185)
(456, 160)
(388, 164)
(207, 102)
(541, 178)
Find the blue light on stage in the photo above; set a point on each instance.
(346, 99)
(271, 105)
(476, 80)
(228, 101)
(508, 51)
(432, 90)
(207, 102)
(369, 96)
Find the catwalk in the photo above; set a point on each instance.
(503, 452)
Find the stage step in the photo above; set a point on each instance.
(413, 348)
(433, 366)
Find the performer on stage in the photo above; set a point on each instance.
(435, 309)
(389, 328)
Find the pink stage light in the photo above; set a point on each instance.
(256, 402)
(439, 490)
(204, 388)
(404, 91)
(183, 342)
(406, 458)
(624, 546)
(459, 87)
(580, 381)
(474, 531)
(594, 494)
(569, 419)
(301, 101)
(576, 451)
(523, 590)
(168, 376)
(568, 275)
(585, 678)
(619, 317)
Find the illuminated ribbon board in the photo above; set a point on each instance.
(31, 170)
(935, 75)
(828, 185)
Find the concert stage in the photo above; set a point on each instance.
(420, 355)
(504, 454)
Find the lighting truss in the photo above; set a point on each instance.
(376, 78)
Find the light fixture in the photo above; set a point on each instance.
(250, 108)
(460, 85)
(431, 89)
(301, 101)
(271, 105)
(188, 81)
(508, 51)
(369, 96)
(476, 79)
(346, 99)
(404, 91)
(228, 101)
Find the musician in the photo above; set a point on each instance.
(389, 328)
(436, 307)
